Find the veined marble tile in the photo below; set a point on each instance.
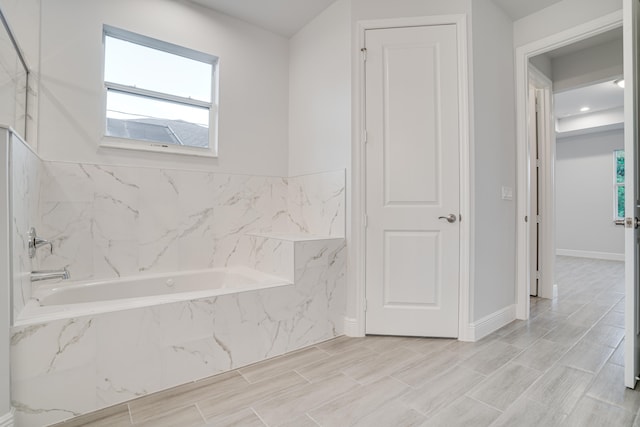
(68, 225)
(68, 182)
(51, 398)
(317, 203)
(58, 346)
(26, 170)
(271, 256)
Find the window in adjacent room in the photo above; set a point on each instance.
(159, 96)
(618, 157)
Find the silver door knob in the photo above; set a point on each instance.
(450, 218)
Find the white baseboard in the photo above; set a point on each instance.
(7, 420)
(491, 323)
(351, 328)
(609, 256)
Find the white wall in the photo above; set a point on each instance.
(559, 17)
(585, 193)
(253, 83)
(587, 66)
(494, 232)
(320, 93)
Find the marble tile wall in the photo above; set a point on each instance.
(26, 168)
(316, 204)
(109, 222)
(104, 359)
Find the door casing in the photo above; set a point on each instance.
(356, 326)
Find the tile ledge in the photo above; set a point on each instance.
(295, 237)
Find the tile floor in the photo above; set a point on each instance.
(564, 366)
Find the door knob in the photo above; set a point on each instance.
(450, 218)
(628, 222)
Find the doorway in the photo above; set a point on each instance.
(523, 54)
(586, 105)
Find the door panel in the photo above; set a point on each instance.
(412, 179)
(411, 274)
(631, 45)
(411, 97)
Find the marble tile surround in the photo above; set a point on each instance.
(108, 221)
(108, 358)
(26, 169)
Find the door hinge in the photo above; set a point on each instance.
(538, 219)
(537, 275)
(365, 305)
(364, 53)
(365, 136)
(538, 163)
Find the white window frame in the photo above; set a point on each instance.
(140, 145)
(616, 184)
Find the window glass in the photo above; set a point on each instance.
(189, 125)
(158, 94)
(143, 67)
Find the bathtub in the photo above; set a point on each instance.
(61, 299)
(104, 343)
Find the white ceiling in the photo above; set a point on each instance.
(517, 9)
(602, 38)
(598, 97)
(284, 17)
(287, 17)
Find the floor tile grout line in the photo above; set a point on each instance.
(266, 361)
(200, 412)
(313, 419)
(502, 411)
(130, 413)
(308, 380)
(586, 394)
(258, 415)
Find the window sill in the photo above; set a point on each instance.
(137, 145)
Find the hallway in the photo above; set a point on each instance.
(564, 366)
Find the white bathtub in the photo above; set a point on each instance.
(64, 299)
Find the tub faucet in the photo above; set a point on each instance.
(35, 242)
(38, 275)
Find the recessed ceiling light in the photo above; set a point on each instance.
(584, 109)
(619, 82)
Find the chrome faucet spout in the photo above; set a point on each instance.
(39, 275)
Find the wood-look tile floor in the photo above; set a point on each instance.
(564, 366)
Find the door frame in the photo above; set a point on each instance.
(546, 183)
(357, 325)
(522, 55)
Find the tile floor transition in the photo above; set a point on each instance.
(564, 366)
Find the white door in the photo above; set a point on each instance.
(631, 44)
(412, 181)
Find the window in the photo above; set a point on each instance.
(159, 96)
(618, 164)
